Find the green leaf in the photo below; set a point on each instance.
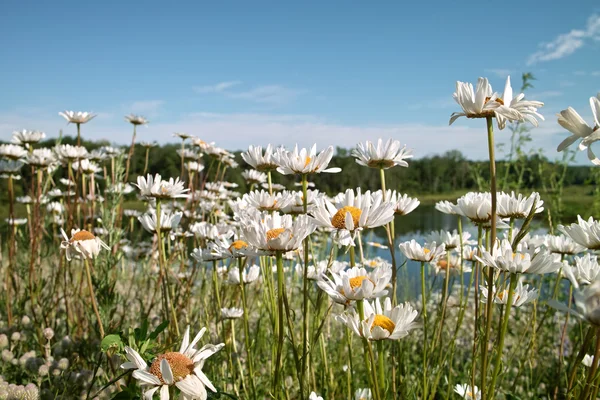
(111, 341)
(158, 330)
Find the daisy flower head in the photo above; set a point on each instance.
(136, 119)
(356, 284)
(447, 207)
(475, 206)
(381, 321)
(483, 102)
(449, 264)
(148, 145)
(585, 233)
(587, 360)
(265, 201)
(182, 135)
(156, 187)
(249, 275)
(354, 211)
(223, 247)
(68, 153)
(587, 303)
(82, 244)
(77, 117)
(253, 177)
(26, 137)
(520, 261)
(518, 206)
(304, 161)
(468, 392)
(585, 272)
(10, 167)
(41, 158)
(169, 221)
(451, 240)
(427, 253)
(314, 396)
(259, 160)
(273, 232)
(521, 295)
(562, 244)
(402, 203)
(12, 151)
(363, 394)
(182, 369)
(382, 155)
(572, 121)
(526, 108)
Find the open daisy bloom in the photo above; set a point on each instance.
(136, 119)
(427, 253)
(572, 121)
(585, 272)
(521, 295)
(518, 206)
(522, 260)
(383, 156)
(585, 233)
(26, 137)
(304, 161)
(79, 117)
(354, 212)
(272, 232)
(82, 244)
(381, 322)
(356, 284)
(158, 188)
(260, 161)
(468, 392)
(363, 394)
(181, 368)
(587, 301)
(231, 313)
(12, 151)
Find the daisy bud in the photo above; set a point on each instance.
(48, 333)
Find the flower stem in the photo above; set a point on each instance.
(247, 331)
(424, 307)
(509, 301)
(593, 369)
(305, 302)
(130, 156)
(93, 296)
(368, 353)
(381, 366)
(280, 324)
(169, 310)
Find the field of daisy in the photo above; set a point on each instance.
(289, 292)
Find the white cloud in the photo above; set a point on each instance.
(595, 73)
(567, 43)
(216, 88)
(499, 72)
(146, 107)
(268, 94)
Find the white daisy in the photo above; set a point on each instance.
(446, 207)
(572, 121)
(381, 322)
(363, 394)
(260, 161)
(518, 207)
(264, 201)
(161, 189)
(521, 295)
(468, 392)
(314, 396)
(253, 176)
(169, 221)
(402, 203)
(562, 245)
(249, 275)
(82, 244)
(356, 284)
(41, 158)
(451, 240)
(79, 117)
(526, 108)
(273, 232)
(182, 369)
(427, 253)
(383, 156)
(136, 119)
(585, 272)
(523, 260)
(12, 151)
(304, 161)
(475, 206)
(231, 313)
(585, 233)
(25, 137)
(587, 360)
(67, 153)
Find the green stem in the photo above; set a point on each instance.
(247, 330)
(381, 369)
(280, 324)
(93, 297)
(424, 307)
(304, 293)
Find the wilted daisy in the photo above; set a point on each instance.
(12, 151)
(68, 153)
(523, 260)
(231, 313)
(258, 160)
(273, 232)
(382, 155)
(249, 275)
(254, 177)
(585, 233)
(181, 368)
(25, 137)
(482, 102)
(82, 244)
(518, 207)
(468, 392)
(304, 161)
(521, 295)
(381, 322)
(155, 186)
(79, 117)
(41, 158)
(572, 121)
(356, 284)
(427, 253)
(169, 221)
(562, 245)
(585, 272)
(354, 212)
(451, 240)
(136, 119)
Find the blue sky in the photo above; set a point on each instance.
(241, 73)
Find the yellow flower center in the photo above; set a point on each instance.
(383, 322)
(82, 235)
(274, 233)
(498, 100)
(307, 161)
(519, 254)
(339, 219)
(358, 280)
(426, 251)
(238, 245)
(181, 366)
